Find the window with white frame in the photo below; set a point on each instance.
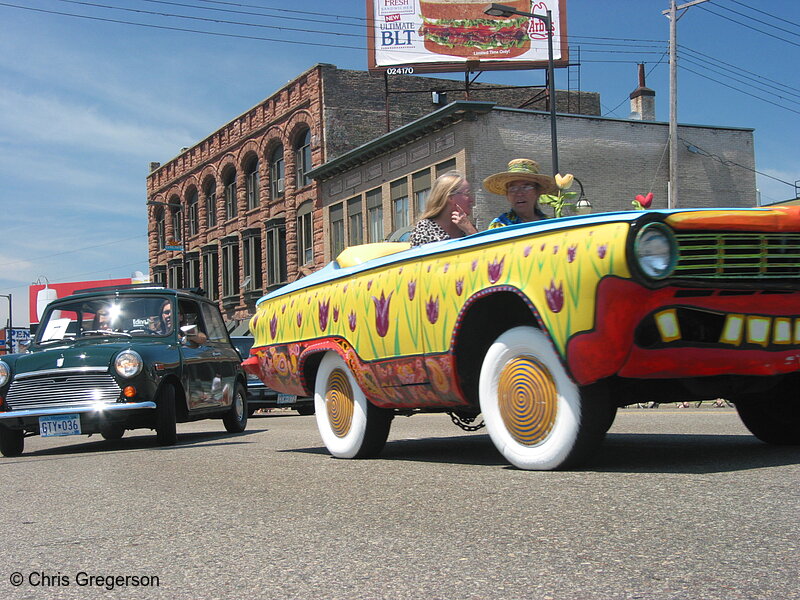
(230, 267)
(276, 172)
(305, 233)
(251, 183)
(210, 259)
(192, 217)
(192, 270)
(275, 233)
(210, 199)
(175, 273)
(251, 259)
(161, 230)
(398, 192)
(421, 188)
(336, 219)
(229, 181)
(160, 275)
(176, 217)
(374, 216)
(355, 222)
(302, 158)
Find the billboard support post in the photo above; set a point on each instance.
(501, 10)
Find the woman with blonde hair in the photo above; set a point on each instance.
(447, 211)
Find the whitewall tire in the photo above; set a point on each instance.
(533, 411)
(350, 426)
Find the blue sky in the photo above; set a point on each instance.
(87, 103)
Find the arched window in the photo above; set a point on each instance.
(176, 217)
(192, 217)
(276, 168)
(161, 231)
(210, 200)
(251, 182)
(229, 181)
(302, 158)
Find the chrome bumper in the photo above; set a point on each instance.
(71, 410)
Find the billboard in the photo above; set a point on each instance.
(39, 296)
(430, 36)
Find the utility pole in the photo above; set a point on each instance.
(673, 16)
(501, 10)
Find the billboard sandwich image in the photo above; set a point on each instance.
(456, 28)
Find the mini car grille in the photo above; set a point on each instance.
(738, 256)
(53, 391)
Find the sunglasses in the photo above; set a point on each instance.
(513, 189)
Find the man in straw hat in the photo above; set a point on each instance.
(521, 184)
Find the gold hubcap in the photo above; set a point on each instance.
(339, 402)
(528, 400)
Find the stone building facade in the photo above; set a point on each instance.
(238, 214)
(381, 182)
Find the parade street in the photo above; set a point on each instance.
(679, 503)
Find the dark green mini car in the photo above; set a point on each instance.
(111, 359)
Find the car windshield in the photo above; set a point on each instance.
(106, 315)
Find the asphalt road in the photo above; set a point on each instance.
(678, 504)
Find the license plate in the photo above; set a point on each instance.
(286, 399)
(56, 425)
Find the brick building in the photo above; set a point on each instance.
(241, 204)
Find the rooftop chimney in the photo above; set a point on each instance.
(643, 100)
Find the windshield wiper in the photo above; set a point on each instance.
(90, 332)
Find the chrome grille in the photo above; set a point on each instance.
(64, 389)
(738, 255)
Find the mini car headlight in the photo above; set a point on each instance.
(5, 373)
(128, 363)
(656, 251)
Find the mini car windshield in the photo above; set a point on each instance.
(106, 316)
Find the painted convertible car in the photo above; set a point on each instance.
(546, 329)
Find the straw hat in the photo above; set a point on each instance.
(520, 169)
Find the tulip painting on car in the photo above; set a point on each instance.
(544, 329)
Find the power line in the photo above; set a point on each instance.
(181, 29)
(206, 19)
(734, 76)
(302, 12)
(739, 69)
(777, 18)
(740, 91)
(749, 18)
(749, 26)
(692, 147)
(16, 262)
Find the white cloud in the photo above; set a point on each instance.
(82, 126)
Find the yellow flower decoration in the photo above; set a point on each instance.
(564, 182)
(559, 201)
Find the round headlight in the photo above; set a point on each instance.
(5, 373)
(128, 363)
(656, 251)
